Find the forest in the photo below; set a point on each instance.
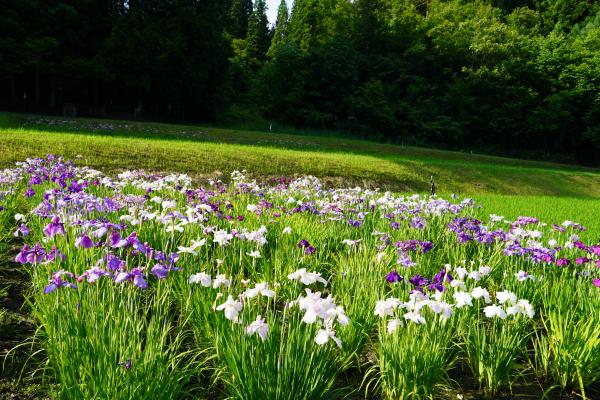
(509, 77)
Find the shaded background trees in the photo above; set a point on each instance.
(514, 77)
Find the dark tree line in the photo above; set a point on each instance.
(515, 77)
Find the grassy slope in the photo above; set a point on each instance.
(503, 186)
(209, 151)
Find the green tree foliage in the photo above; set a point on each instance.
(238, 16)
(258, 39)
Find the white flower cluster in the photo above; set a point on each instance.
(412, 309)
(325, 312)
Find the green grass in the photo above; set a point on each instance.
(549, 209)
(116, 145)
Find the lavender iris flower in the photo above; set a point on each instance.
(22, 230)
(135, 276)
(160, 271)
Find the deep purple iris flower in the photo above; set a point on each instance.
(417, 223)
(426, 247)
(355, 223)
(394, 277)
(418, 281)
(57, 282)
(29, 192)
(55, 227)
(303, 244)
(596, 282)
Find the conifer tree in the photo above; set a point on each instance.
(259, 37)
(281, 26)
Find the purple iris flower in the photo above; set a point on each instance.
(303, 244)
(57, 282)
(418, 281)
(93, 274)
(55, 227)
(135, 276)
(84, 241)
(582, 260)
(406, 261)
(36, 254)
(54, 254)
(29, 192)
(558, 228)
(21, 258)
(395, 225)
(394, 277)
(116, 241)
(160, 271)
(596, 282)
(355, 223)
(426, 247)
(114, 263)
(595, 249)
(126, 364)
(22, 230)
(418, 223)
(436, 286)
(309, 250)
(563, 262)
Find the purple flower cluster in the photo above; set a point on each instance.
(434, 284)
(308, 248)
(471, 229)
(37, 254)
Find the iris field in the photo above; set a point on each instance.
(148, 284)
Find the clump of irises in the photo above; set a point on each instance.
(284, 283)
